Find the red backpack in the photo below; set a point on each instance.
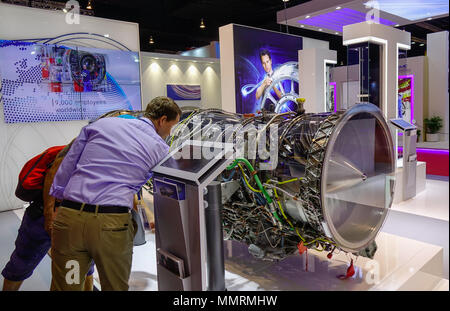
(32, 175)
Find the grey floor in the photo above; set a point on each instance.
(41, 278)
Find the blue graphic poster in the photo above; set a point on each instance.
(42, 82)
(266, 70)
(184, 92)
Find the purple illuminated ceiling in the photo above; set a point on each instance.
(337, 19)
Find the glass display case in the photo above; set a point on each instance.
(330, 89)
(365, 58)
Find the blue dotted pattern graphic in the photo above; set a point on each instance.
(28, 98)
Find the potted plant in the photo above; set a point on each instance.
(433, 125)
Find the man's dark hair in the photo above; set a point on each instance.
(162, 106)
(264, 52)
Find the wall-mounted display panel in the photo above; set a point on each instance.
(43, 82)
(266, 70)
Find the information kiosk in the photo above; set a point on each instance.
(409, 157)
(180, 185)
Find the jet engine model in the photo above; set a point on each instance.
(322, 181)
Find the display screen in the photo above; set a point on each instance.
(191, 162)
(41, 82)
(184, 92)
(403, 124)
(266, 70)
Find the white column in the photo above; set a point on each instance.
(391, 40)
(312, 70)
(227, 77)
(437, 55)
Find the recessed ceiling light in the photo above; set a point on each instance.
(429, 19)
(413, 42)
(307, 16)
(338, 8)
(285, 0)
(302, 26)
(336, 33)
(422, 44)
(396, 25)
(320, 29)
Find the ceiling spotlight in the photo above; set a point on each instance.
(89, 5)
(307, 16)
(151, 40)
(320, 29)
(429, 19)
(338, 8)
(285, 0)
(336, 33)
(302, 26)
(202, 24)
(413, 42)
(396, 25)
(422, 44)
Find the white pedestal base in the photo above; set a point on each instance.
(420, 181)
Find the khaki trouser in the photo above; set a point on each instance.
(80, 237)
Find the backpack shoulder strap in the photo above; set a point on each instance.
(34, 165)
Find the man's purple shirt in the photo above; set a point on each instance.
(109, 162)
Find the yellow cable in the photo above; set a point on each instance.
(284, 182)
(281, 208)
(323, 240)
(246, 181)
(288, 181)
(296, 229)
(284, 215)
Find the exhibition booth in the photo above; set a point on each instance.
(349, 195)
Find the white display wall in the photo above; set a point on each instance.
(437, 53)
(158, 70)
(21, 141)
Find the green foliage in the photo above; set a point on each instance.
(433, 125)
